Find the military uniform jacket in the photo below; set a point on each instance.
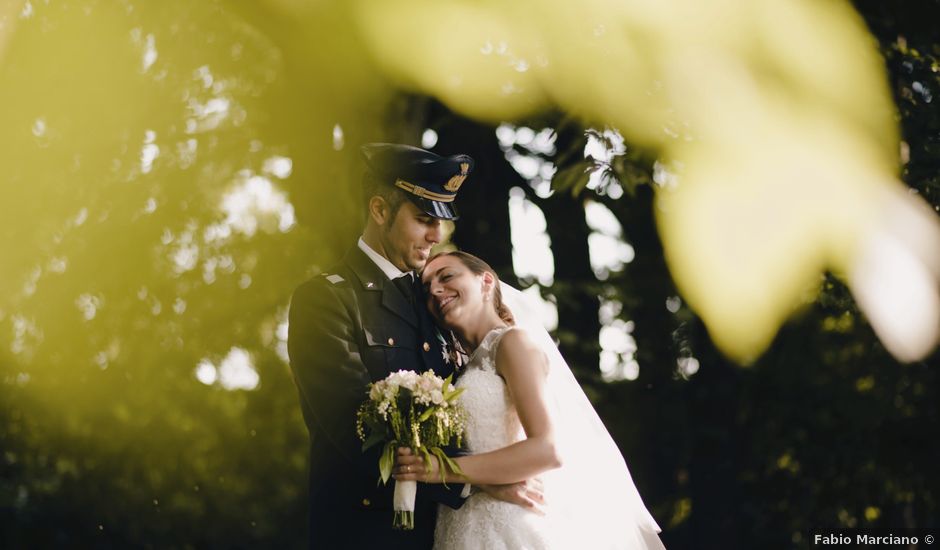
(348, 327)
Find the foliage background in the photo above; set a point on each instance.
(149, 224)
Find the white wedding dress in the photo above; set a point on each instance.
(577, 512)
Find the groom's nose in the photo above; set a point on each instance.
(434, 232)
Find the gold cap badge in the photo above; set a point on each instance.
(454, 183)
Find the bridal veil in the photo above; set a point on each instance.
(593, 490)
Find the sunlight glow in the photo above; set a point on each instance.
(255, 203)
(279, 167)
(235, 372)
(58, 264)
(531, 248)
(185, 255)
(25, 333)
(206, 372)
(39, 127)
(223, 262)
(618, 347)
(207, 116)
(601, 219)
(150, 53)
(547, 310)
(204, 74)
(32, 280)
(614, 337)
(105, 356)
(339, 140)
(533, 166)
(150, 206)
(608, 251)
(81, 217)
(663, 177)
(527, 167)
(88, 304)
(149, 152)
(428, 139)
(603, 147)
(186, 152)
(687, 366)
(597, 149)
(280, 335)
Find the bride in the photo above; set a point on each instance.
(528, 418)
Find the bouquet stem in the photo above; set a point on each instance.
(404, 505)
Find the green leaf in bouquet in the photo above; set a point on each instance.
(445, 462)
(377, 425)
(426, 414)
(454, 394)
(375, 437)
(387, 460)
(426, 456)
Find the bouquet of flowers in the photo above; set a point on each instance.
(408, 409)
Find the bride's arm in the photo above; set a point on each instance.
(524, 367)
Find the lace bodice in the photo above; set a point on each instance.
(484, 522)
(493, 422)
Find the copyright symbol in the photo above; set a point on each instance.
(928, 539)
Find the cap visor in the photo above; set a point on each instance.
(435, 209)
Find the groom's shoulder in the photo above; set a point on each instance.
(333, 281)
(320, 297)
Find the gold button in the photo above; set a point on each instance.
(391, 341)
(427, 346)
(366, 502)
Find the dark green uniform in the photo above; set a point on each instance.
(348, 327)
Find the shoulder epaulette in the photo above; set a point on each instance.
(335, 279)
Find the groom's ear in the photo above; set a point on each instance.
(379, 212)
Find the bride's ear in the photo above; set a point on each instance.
(488, 281)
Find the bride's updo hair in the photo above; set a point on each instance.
(478, 267)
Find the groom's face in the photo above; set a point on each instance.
(409, 237)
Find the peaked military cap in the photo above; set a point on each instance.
(430, 181)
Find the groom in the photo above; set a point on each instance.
(361, 321)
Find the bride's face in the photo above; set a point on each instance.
(456, 295)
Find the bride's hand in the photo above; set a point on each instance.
(411, 467)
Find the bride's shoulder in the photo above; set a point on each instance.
(517, 347)
(514, 336)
